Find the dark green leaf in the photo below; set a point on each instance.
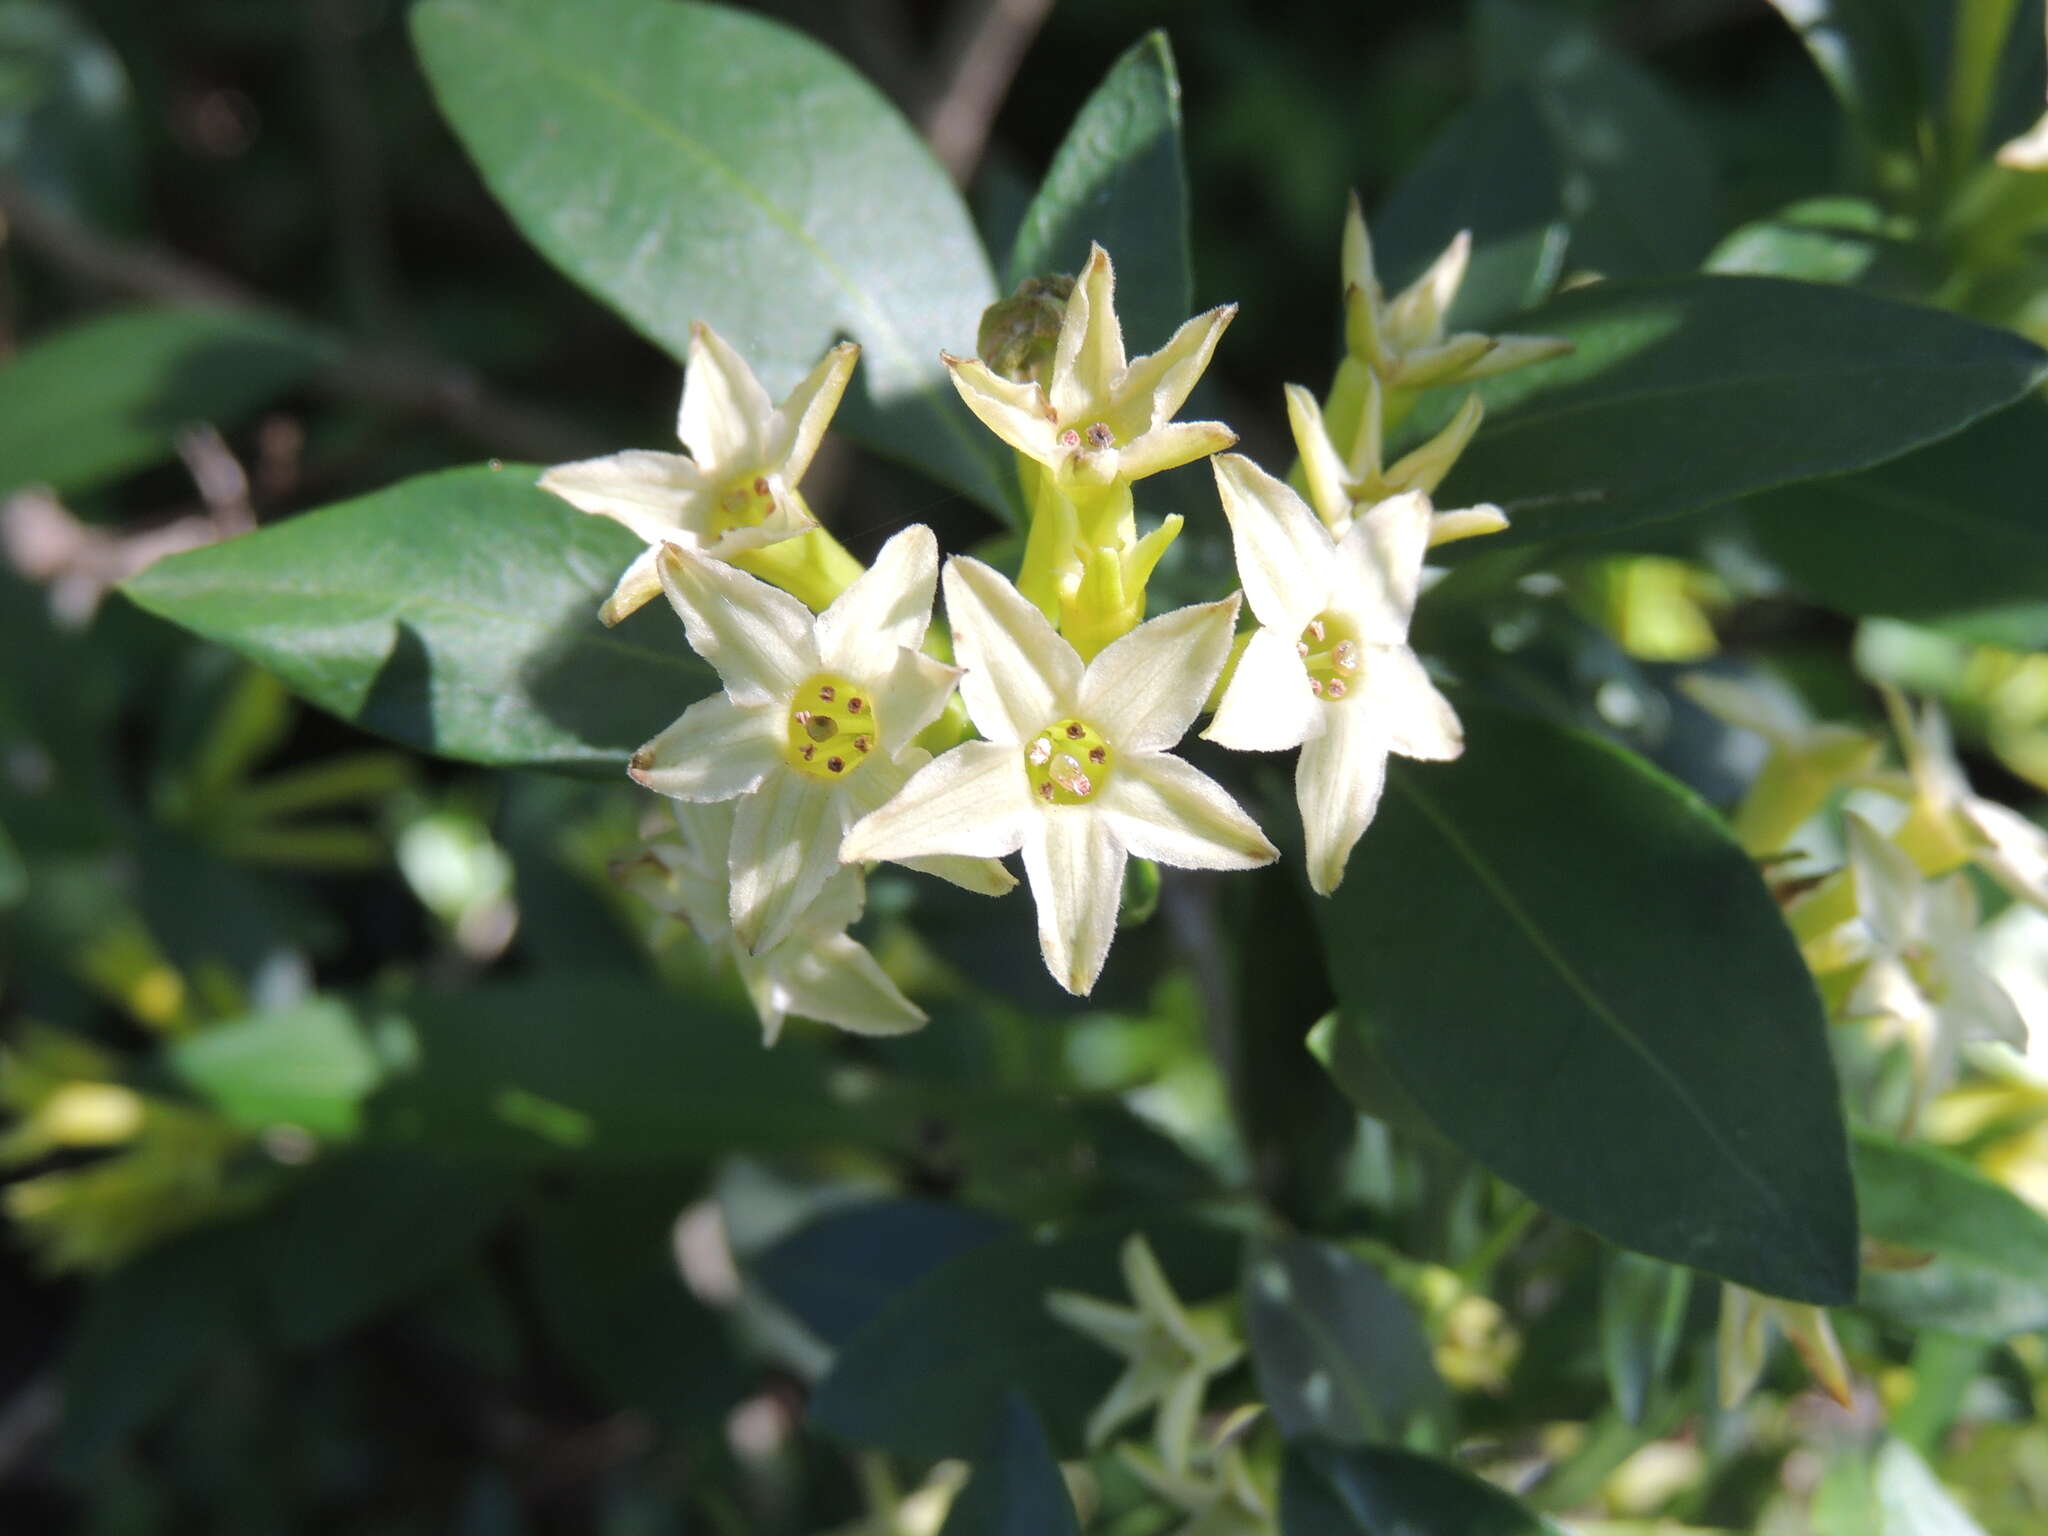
(1571, 947)
(1338, 1351)
(1953, 537)
(1119, 181)
(1494, 172)
(929, 1376)
(67, 118)
(1989, 1275)
(306, 1065)
(1693, 391)
(603, 1255)
(108, 396)
(455, 612)
(1642, 1313)
(1375, 1491)
(1635, 175)
(1872, 53)
(1016, 1489)
(564, 1066)
(692, 162)
(836, 1273)
(364, 1231)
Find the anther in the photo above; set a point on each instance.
(1315, 686)
(827, 692)
(860, 743)
(1099, 435)
(1097, 755)
(1039, 753)
(809, 753)
(1301, 647)
(1336, 688)
(853, 706)
(1315, 632)
(1075, 732)
(1345, 656)
(836, 764)
(1070, 438)
(803, 717)
(760, 485)
(1045, 790)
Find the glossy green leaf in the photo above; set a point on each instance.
(1635, 175)
(836, 1273)
(1642, 1314)
(592, 1068)
(108, 396)
(455, 612)
(929, 1376)
(1016, 1489)
(1954, 537)
(308, 1065)
(1339, 1353)
(1119, 180)
(1692, 391)
(693, 162)
(1825, 240)
(1576, 948)
(1989, 1272)
(1377, 1491)
(1871, 53)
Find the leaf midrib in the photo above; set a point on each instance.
(1593, 1002)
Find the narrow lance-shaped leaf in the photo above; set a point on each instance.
(1687, 392)
(455, 612)
(692, 162)
(1578, 975)
(1119, 180)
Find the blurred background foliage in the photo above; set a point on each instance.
(378, 1166)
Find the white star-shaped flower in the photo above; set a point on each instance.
(1403, 339)
(814, 727)
(1170, 1354)
(1340, 486)
(818, 972)
(736, 489)
(1809, 760)
(1922, 970)
(1950, 823)
(1102, 420)
(1329, 670)
(1074, 768)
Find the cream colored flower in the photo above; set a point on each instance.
(1809, 761)
(818, 972)
(1075, 768)
(737, 488)
(1170, 1354)
(1950, 824)
(814, 727)
(1339, 487)
(1329, 670)
(1102, 420)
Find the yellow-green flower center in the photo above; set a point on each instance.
(832, 729)
(745, 502)
(1068, 763)
(1331, 651)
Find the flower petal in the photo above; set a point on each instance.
(638, 583)
(973, 800)
(1021, 676)
(2015, 851)
(800, 421)
(1076, 868)
(1017, 413)
(1284, 555)
(1155, 387)
(1888, 885)
(783, 852)
(1162, 809)
(758, 638)
(724, 419)
(1337, 784)
(716, 750)
(1172, 445)
(836, 981)
(984, 877)
(910, 696)
(1267, 705)
(888, 606)
(1090, 355)
(654, 494)
(1329, 490)
(1416, 316)
(1418, 721)
(1378, 569)
(1144, 689)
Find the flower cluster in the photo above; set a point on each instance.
(817, 757)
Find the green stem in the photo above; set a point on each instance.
(1944, 1365)
(1498, 1243)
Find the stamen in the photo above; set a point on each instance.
(1344, 656)
(802, 717)
(1070, 438)
(1045, 791)
(853, 706)
(1315, 631)
(760, 485)
(860, 743)
(1336, 689)
(1039, 753)
(1301, 647)
(1097, 755)
(809, 753)
(1076, 732)
(827, 692)
(1315, 686)
(836, 764)
(1099, 435)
